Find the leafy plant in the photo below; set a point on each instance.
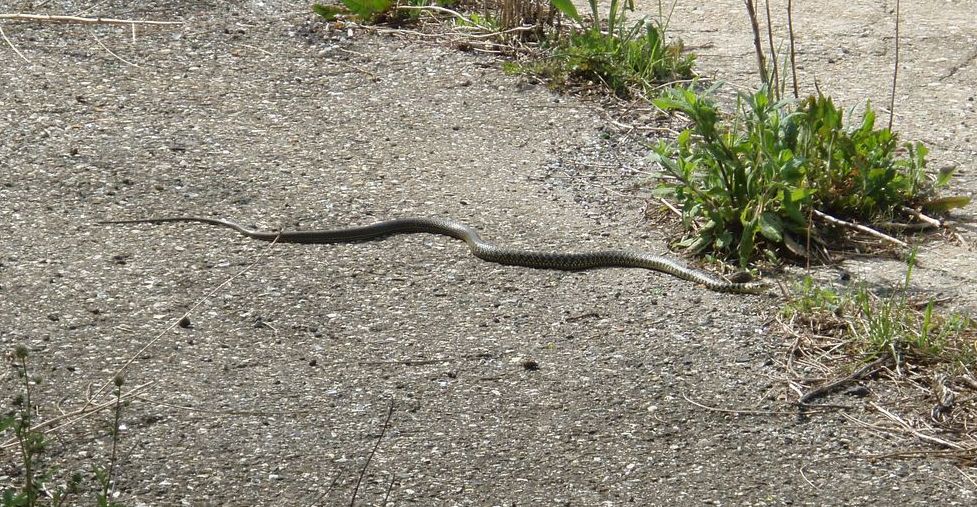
(368, 10)
(623, 57)
(375, 11)
(749, 184)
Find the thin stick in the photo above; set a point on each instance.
(756, 42)
(186, 315)
(328, 490)
(123, 60)
(81, 413)
(738, 411)
(44, 18)
(895, 72)
(909, 429)
(790, 35)
(256, 48)
(440, 9)
(224, 413)
(11, 44)
(921, 217)
(777, 92)
(859, 227)
(896, 226)
(670, 207)
(390, 488)
(383, 430)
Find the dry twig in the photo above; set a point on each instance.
(383, 430)
(77, 415)
(176, 322)
(11, 44)
(45, 18)
(123, 60)
(914, 432)
(858, 227)
(738, 411)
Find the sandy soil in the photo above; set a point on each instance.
(508, 386)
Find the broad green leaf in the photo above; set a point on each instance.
(663, 190)
(368, 9)
(792, 208)
(868, 121)
(771, 227)
(669, 103)
(329, 12)
(684, 137)
(724, 241)
(799, 195)
(943, 177)
(568, 9)
(944, 204)
(746, 244)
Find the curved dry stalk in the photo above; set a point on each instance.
(440, 9)
(77, 415)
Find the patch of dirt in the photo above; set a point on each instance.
(509, 386)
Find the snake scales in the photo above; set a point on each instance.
(565, 261)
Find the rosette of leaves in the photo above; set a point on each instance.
(748, 185)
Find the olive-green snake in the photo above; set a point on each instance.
(565, 261)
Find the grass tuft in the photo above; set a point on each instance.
(627, 58)
(871, 326)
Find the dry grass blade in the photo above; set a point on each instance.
(369, 458)
(75, 416)
(757, 45)
(860, 228)
(122, 370)
(44, 18)
(914, 432)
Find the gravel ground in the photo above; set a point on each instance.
(508, 386)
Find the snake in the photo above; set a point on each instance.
(480, 248)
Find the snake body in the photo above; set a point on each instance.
(565, 261)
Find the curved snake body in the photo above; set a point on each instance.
(565, 261)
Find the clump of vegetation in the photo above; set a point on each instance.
(378, 11)
(626, 58)
(852, 335)
(39, 485)
(779, 174)
(869, 327)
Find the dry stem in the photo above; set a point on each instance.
(44, 18)
(860, 228)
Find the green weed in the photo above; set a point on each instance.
(30, 443)
(38, 486)
(624, 57)
(871, 326)
(749, 184)
(377, 11)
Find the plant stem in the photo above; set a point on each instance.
(756, 42)
(790, 35)
(775, 88)
(24, 436)
(895, 72)
(115, 442)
